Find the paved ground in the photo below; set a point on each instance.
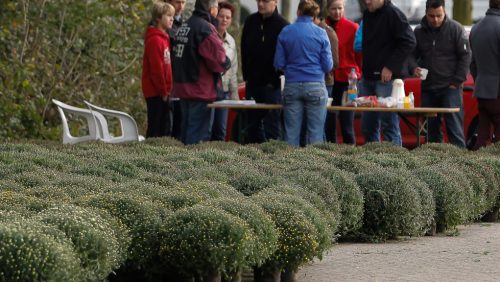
(472, 255)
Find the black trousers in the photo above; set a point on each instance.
(158, 117)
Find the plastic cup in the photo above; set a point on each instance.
(330, 101)
(423, 73)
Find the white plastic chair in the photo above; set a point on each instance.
(128, 125)
(94, 130)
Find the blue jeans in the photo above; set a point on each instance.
(263, 124)
(219, 122)
(371, 122)
(195, 121)
(445, 98)
(304, 100)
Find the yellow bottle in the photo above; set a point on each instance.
(406, 102)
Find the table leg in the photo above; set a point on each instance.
(419, 128)
(241, 135)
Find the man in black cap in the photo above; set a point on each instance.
(199, 55)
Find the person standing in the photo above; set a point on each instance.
(303, 52)
(348, 59)
(442, 49)
(387, 42)
(198, 57)
(179, 6)
(157, 71)
(258, 45)
(230, 78)
(485, 68)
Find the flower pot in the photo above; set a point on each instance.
(288, 275)
(235, 277)
(212, 276)
(491, 216)
(261, 275)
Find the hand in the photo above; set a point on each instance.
(417, 72)
(235, 97)
(166, 98)
(386, 75)
(453, 86)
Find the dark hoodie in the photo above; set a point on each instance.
(258, 45)
(199, 56)
(156, 67)
(388, 42)
(444, 51)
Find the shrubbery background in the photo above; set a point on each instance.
(159, 208)
(71, 51)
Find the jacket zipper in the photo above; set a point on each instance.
(262, 29)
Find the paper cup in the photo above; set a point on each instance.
(330, 101)
(423, 73)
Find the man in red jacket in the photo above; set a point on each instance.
(156, 70)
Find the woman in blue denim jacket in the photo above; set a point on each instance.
(303, 52)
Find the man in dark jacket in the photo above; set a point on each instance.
(485, 67)
(179, 6)
(387, 44)
(198, 55)
(442, 49)
(258, 45)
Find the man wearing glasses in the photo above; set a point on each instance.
(258, 45)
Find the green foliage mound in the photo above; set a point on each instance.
(141, 218)
(298, 240)
(27, 253)
(265, 236)
(93, 236)
(453, 200)
(199, 240)
(392, 206)
(350, 199)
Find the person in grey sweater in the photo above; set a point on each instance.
(443, 49)
(485, 68)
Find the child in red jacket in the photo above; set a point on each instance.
(157, 70)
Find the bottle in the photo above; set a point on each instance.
(412, 100)
(406, 102)
(352, 89)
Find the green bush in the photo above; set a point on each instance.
(248, 179)
(29, 253)
(392, 206)
(384, 148)
(324, 230)
(298, 237)
(199, 240)
(142, 219)
(352, 164)
(94, 238)
(311, 197)
(384, 160)
(350, 199)
(26, 205)
(273, 146)
(321, 186)
(265, 236)
(453, 202)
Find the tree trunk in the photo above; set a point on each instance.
(462, 11)
(234, 29)
(285, 9)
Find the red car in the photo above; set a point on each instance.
(407, 133)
